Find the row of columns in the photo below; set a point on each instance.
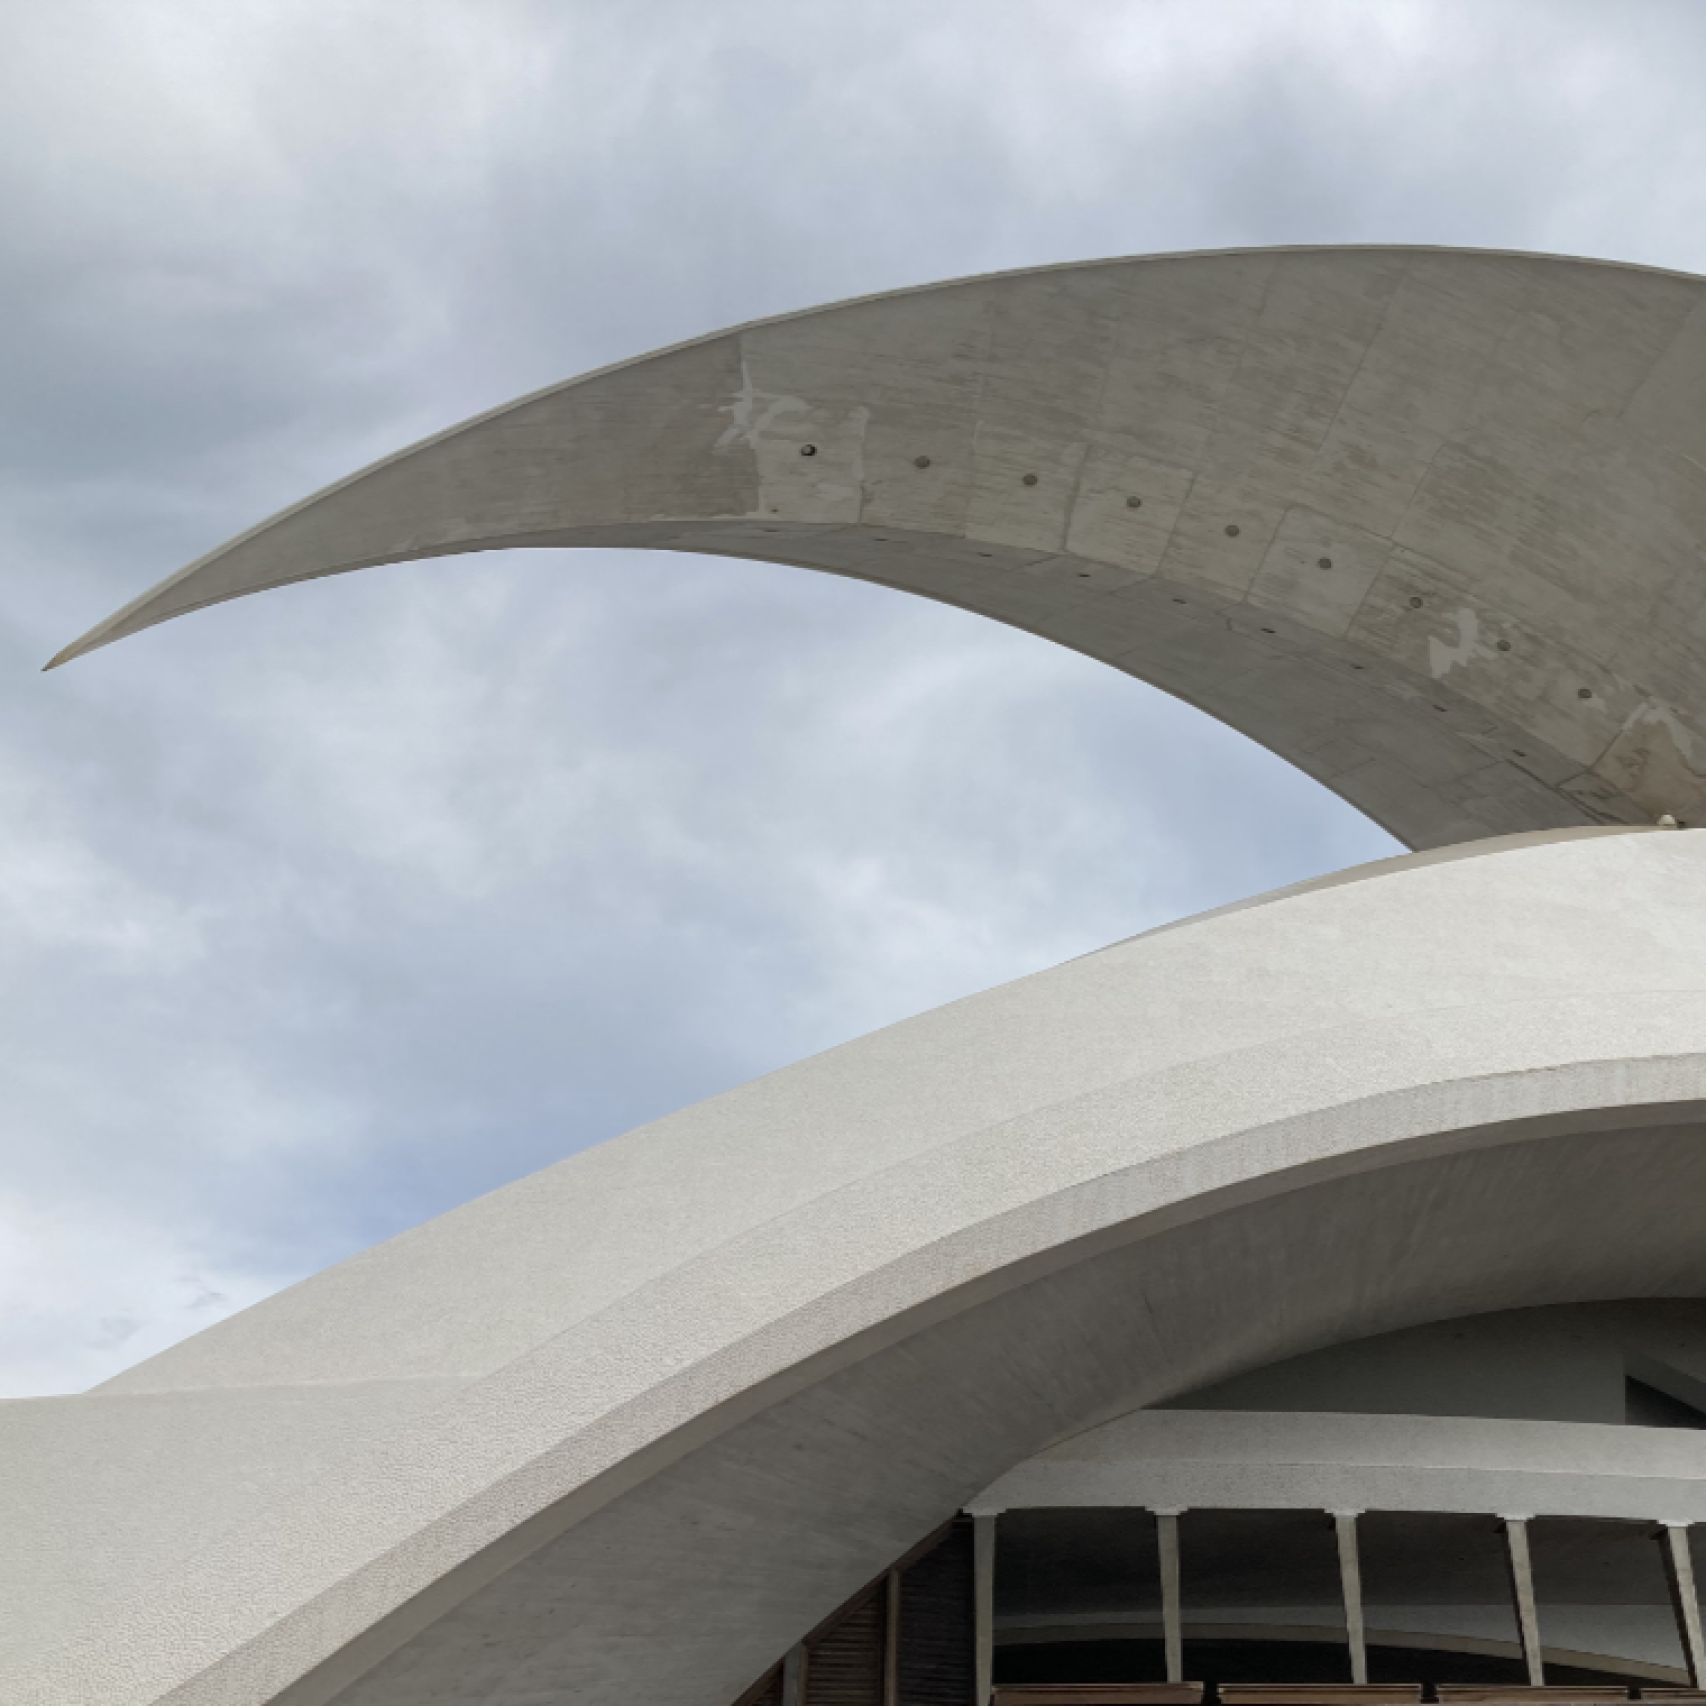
(1673, 1545)
(1679, 1577)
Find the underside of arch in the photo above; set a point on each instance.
(754, 1539)
(1425, 523)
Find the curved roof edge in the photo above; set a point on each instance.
(1396, 865)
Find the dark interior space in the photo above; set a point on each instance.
(1216, 1662)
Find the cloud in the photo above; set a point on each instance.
(320, 913)
(61, 1269)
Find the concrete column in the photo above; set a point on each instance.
(1685, 1600)
(891, 1641)
(1522, 1596)
(794, 1676)
(1350, 1584)
(1172, 1616)
(983, 1600)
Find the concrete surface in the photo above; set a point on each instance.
(1425, 522)
(1297, 1460)
(691, 1389)
(1541, 1365)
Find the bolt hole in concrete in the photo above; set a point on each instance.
(1134, 503)
(1030, 479)
(1504, 645)
(808, 450)
(1323, 562)
(1584, 692)
(1232, 530)
(921, 462)
(1415, 604)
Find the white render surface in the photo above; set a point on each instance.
(92, 1491)
(640, 1421)
(1425, 522)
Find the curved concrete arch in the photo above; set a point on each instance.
(723, 1370)
(1427, 523)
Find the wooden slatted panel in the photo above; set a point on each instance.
(844, 1663)
(768, 1692)
(937, 1637)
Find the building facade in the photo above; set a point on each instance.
(1309, 1296)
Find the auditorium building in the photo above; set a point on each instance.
(1301, 1303)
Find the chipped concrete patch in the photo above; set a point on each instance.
(1657, 762)
(1444, 657)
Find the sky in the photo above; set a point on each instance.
(324, 911)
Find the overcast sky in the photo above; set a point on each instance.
(321, 912)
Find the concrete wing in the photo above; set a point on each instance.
(1426, 523)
